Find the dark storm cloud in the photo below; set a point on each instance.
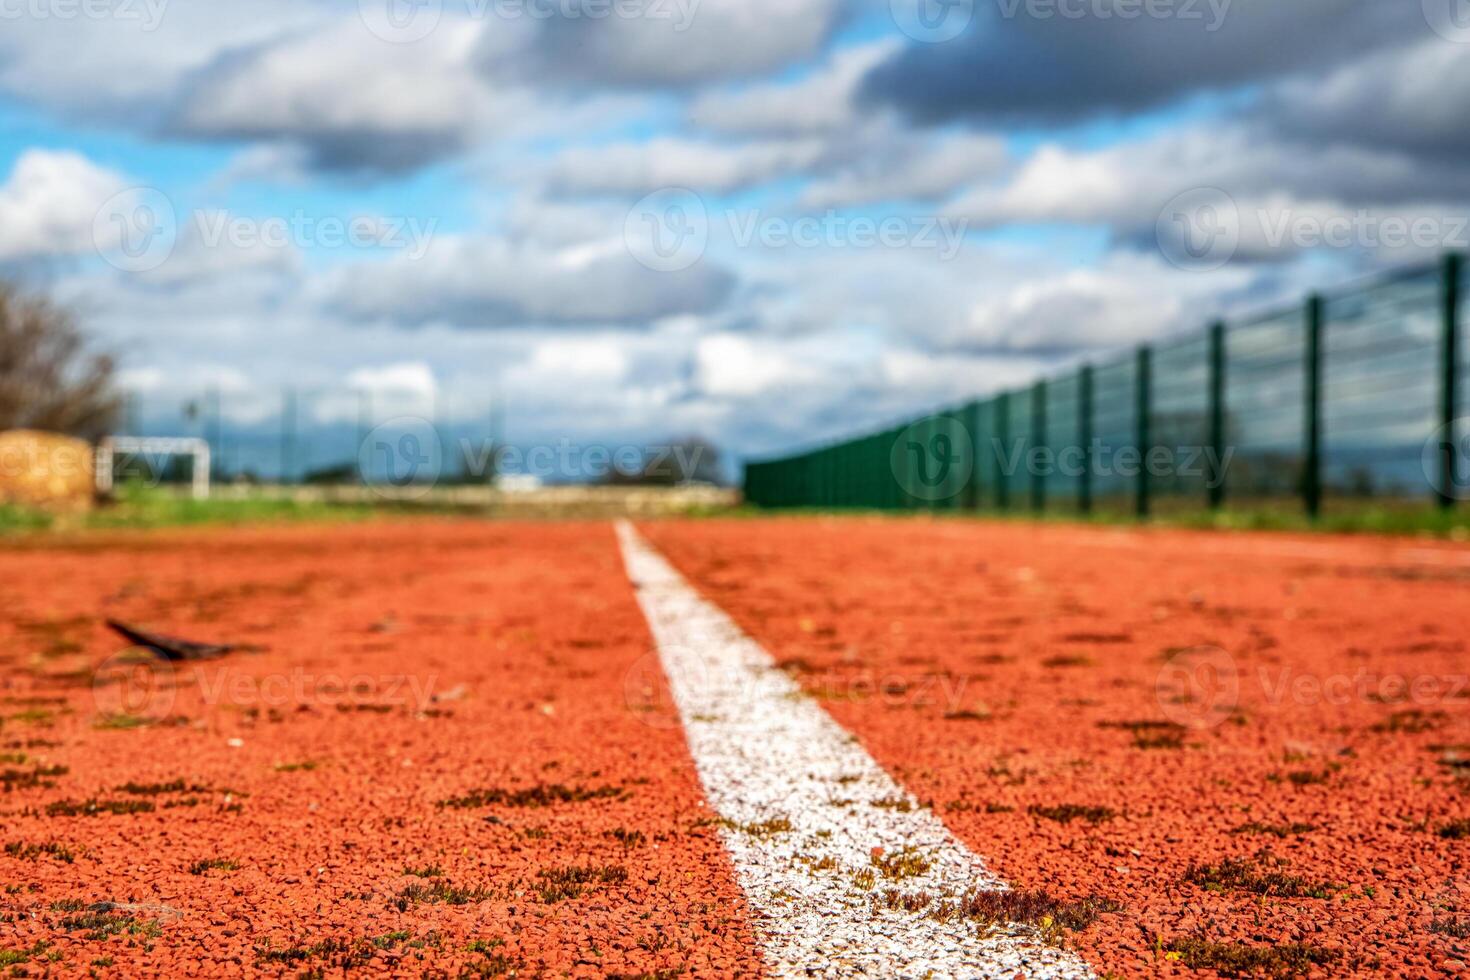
(1016, 65)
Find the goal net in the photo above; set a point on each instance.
(131, 449)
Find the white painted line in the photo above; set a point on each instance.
(766, 754)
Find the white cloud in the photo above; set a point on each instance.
(638, 168)
(1126, 301)
(820, 102)
(687, 43)
(412, 377)
(897, 166)
(351, 101)
(487, 283)
(50, 202)
(737, 366)
(122, 70)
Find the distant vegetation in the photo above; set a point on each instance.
(50, 377)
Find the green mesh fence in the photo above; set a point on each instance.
(1352, 394)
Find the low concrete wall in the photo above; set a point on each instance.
(544, 502)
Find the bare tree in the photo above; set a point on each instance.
(50, 379)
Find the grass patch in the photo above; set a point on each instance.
(38, 777)
(559, 884)
(1275, 829)
(161, 789)
(440, 892)
(1261, 875)
(95, 807)
(1302, 777)
(760, 829)
(15, 957)
(628, 838)
(335, 955)
(1239, 960)
(32, 852)
(1151, 734)
(535, 796)
(969, 714)
(143, 508)
(1454, 928)
(901, 804)
(213, 864)
(1067, 812)
(1031, 908)
(1456, 830)
(995, 909)
(100, 925)
(1067, 660)
(121, 722)
(1414, 721)
(906, 863)
(427, 871)
(309, 765)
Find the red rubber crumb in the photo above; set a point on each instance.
(1246, 742)
(284, 811)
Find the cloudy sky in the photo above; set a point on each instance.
(767, 221)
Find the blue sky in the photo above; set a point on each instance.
(768, 223)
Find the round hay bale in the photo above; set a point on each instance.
(47, 471)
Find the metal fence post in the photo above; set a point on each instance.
(1002, 436)
(1084, 439)
(214, 434)
(1038, 442)
(1312, 464)
(1145, 432)
(1217, 416)
(1450, 381)
(288, 435)
(972, 426)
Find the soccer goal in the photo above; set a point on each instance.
(133, 448)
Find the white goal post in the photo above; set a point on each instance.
(113, 446)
